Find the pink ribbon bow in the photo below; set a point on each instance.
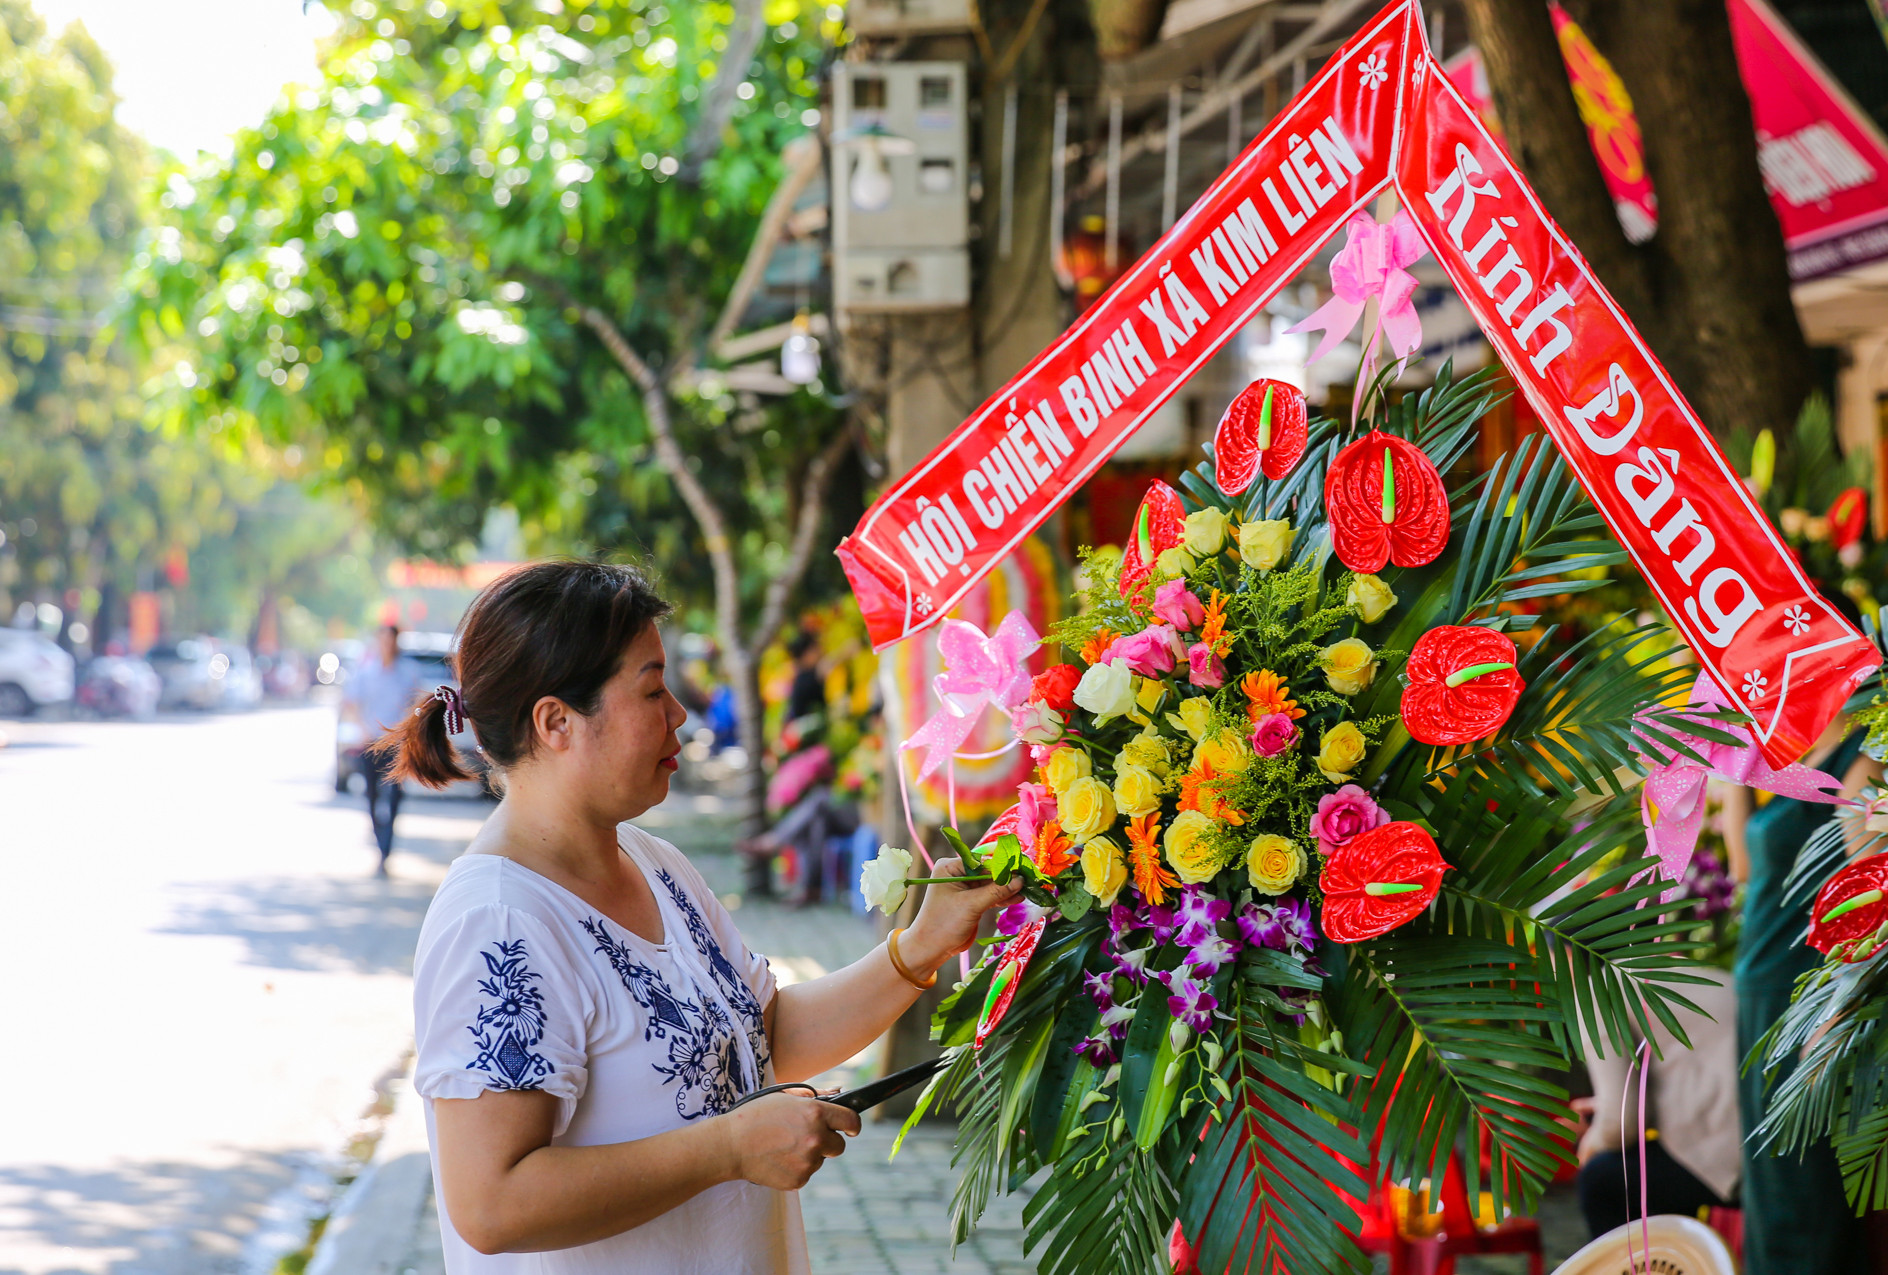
(1371, 264)
(1672, 802)
(979, 671)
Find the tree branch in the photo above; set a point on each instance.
(800, 553)
(717, 103)
(802, 157)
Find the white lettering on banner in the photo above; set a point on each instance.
(1134, 361)
(1171, 337)
(1003, 480)
(1048, 433)
(1247, 233)
(1339, 156)
(1291, 221)
(1187, 310)
(1081, 407)
(1647, 486)
(1217, 281)
(917, 547)
(974, 484)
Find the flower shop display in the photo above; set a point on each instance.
(1305, 873)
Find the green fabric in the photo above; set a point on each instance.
(1796, 1220)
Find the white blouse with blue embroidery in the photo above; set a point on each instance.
(519, 984)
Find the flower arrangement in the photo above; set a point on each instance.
(1310, 899)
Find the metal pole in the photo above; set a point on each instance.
(1170, 184)
(1112, 207)
(1058, 181)
(1006, 215)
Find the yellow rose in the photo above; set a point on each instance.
(1816, 528)
(1148, 751)
(1064, 766)
(1274, 863)
(1174, 562)
(1195, 717)
(1205, 533)
(1149, 693)
(1104, 869)
(1136, 790)
(1226, 751)
(1372, 598)
(1262, 545)
(1190, 849)
(1341, 752)
(1087, 809)
(1349, 666)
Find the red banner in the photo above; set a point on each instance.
(1381, 111)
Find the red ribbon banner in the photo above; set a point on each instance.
(1382, 115)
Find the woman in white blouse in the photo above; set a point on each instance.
(586, 1012)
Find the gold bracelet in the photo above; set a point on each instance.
(891, 950)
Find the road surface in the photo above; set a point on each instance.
(206, 982)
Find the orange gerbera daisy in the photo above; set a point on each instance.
(1092, 649)
(1151, 877)
(1266, 693)
(1199, 790)
(1054, 852)
(1213, 627)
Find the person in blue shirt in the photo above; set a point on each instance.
(378, 695)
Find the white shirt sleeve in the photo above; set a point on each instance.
(494, 1010)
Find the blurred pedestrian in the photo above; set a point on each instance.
(378, 695)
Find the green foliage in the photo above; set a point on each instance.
(387, 271)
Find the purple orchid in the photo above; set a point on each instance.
(1194, 921)
(1132, 964)
(1099, 1050)
(1189, 1001)
(1162, 921)
(1213, 953)
(1116, 1020)
(1294, 917)
(1100, 989)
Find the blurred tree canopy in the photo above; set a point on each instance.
(391, 271)
(91, 500)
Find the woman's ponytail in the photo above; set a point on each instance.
(422, 743)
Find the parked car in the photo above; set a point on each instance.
(206, 674)
(34, 673)
(433, 652)
(119, 686)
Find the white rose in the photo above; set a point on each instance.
(882, 881)
(1106, 690)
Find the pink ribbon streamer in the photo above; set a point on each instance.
(1673, 799)
(980, 671)
(1371, 266)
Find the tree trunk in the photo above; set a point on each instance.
(1710, 290)
(750, 716)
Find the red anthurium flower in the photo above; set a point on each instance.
(1848, 517)
(1850, 907)
(1055, 686)
(1264, 429)
(1462, 684)
(1008, 977)
(1386, 504)
(1379, 880)
(1005, 824)
(1159, 525)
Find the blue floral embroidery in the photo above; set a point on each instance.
(512, 1023)
(732, 985)
(702, 1060)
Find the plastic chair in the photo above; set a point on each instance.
(1462, 1237)
(1680, 1246)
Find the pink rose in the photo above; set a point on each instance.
(1035, 806)
(1344, 814)
(1036, 723)
(1205, 669)
(1273, 735)
(1149, 653)
(1176, 604)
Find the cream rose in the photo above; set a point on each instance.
(882, 881)
(1190, 849)
(1341, 752)
(1064, 766)
(1205, 533)
(1264, 544)
(1087, 809)
(1372, 598)
(1274, 863)
(1175, 562)
(1106, 690)
(1349, 666)
(1104, 869)
(1136, 791)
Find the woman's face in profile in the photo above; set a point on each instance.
(630, 742)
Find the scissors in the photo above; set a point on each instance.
(862, 1098)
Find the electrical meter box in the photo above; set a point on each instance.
(900, 197)
(907, 17)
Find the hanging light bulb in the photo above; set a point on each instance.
(871, 187)
(799, 357)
